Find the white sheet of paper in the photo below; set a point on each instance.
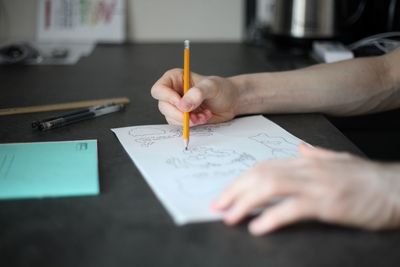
(187, 181)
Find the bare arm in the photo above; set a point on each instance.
(359, 86)
(323, 185)
(352, 87)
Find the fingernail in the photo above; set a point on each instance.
(217, 204)
(306, 145)
(231, 216)
(214, 206)
(194, 119)
(258, 227)
(187, 106)
(255, 227)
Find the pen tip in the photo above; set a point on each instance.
(186, 43)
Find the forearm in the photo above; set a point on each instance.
(351, 87)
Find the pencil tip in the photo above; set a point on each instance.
(186, 142)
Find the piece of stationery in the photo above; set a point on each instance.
(48, 169)
(187, 181)
(76, 116)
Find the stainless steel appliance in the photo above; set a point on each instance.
(305, 18)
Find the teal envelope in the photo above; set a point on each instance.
(48, 169)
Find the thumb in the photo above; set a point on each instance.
(196, 95)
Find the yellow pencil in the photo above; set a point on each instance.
(186, 85)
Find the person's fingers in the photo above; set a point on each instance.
(310, 151)
(169, 87)
(267, 180)
(170, 111)
(260, 195)
(242, 183)
(173, 122)
(172, 114)
(194, 117)
(165, 94)
(205, 89)
(227, 197)
(178, 122)
(245, 205)
(284, 213)
(198, 117)
(174, 79)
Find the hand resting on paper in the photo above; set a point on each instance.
(320, 184)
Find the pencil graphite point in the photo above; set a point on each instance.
(186, 142)
(186, 43)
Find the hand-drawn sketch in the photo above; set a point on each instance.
(211, 169)
(203, 157)
(148, 135)
(187, 181)
(280, 146)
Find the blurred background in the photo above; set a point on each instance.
(286, 31)
(292, 26)
(220, 20)
(146, 20)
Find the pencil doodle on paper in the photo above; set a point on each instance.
(211, 169)
(187, 181)
(203, 157)
(6, 161)
(148, 135)
(280, 146)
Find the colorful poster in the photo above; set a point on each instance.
(81, 20)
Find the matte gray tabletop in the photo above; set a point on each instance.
(126, 225)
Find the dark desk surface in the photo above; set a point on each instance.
(126, 225)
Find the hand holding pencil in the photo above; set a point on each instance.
(211, 99)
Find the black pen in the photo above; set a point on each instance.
(73, 117)
(36, 123)
(72, 113)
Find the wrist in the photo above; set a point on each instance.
(243, 92)
(251, 93)
(239, 84)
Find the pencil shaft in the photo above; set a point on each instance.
(186, 85)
